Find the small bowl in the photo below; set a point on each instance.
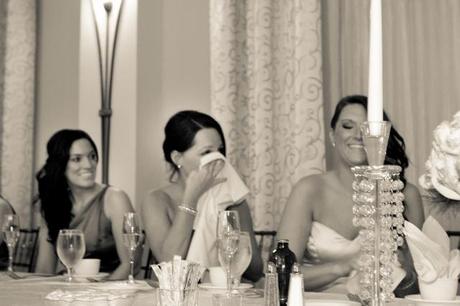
(442, 289)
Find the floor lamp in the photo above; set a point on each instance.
(106, 16)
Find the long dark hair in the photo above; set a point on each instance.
(396, 150)
(180, 132)
(56, 206)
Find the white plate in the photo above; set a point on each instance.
(421, 302)
(322, 302)
(242, 286)
(98, 276)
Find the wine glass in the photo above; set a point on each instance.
(70, 248)
(228, 236)
(242, 258)
(132, 237)
(10, 228)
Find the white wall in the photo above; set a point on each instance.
(174, 47)
(162, 66)
(57, 71)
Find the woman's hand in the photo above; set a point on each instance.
(201, 180)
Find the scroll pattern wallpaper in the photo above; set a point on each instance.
(266, 91)
(17, 38)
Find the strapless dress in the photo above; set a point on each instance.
(326, 245)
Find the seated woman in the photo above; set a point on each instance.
(71, 199)
(318, 216)
(5, 209)
(169, 212)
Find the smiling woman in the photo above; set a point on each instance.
(71, 199)
(319, 209)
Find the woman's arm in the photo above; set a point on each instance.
(414, 209)
(4, 210)
(116, 204)
(255, 269)
(168, 237)
(414, 214)
(296, 225)
(47, 258)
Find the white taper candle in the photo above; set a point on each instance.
(375, 95)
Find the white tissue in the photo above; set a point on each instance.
(203, 245)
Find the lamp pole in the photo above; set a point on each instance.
(106, 68)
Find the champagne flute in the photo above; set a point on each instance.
(241, 259)
(228, 236)
(132, 237)
(70, 249)
(10, 228)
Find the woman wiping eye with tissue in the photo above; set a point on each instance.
(181, 217)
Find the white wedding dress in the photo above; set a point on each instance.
(326, 245)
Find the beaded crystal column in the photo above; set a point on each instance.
(378, 212)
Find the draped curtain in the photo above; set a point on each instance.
(421, 61)
(17, 77)
(266, 91)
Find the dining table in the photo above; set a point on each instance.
(35, 289)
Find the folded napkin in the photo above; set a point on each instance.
(203, 245)
(87, 295)
(430, 251)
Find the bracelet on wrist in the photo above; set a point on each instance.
(188, 210)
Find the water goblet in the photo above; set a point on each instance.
(70, 249)
(241, 259)
(228, 236)
(10, 228)
(132, 237)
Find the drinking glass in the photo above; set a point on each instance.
(132, 237)
(70, 248)
(228, 236)
(10, 228)
(241, 259)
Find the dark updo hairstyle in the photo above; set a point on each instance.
(180, 133)
(396, 150)
(56, 206)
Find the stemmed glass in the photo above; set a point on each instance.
(132, 237)
(242, 258)
(228, 236)
(71, 248)
(10, 228)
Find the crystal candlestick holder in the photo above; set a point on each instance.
(375, 137)
(378, 211)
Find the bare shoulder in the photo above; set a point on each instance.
(114, 194)
(158, 199)
(4, 207)
(304, 192)
(116, 200)
(310, 183)
(411, 190)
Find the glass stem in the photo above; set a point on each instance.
(229, 275)
(70, 272)
(131, 267)
(10, 257)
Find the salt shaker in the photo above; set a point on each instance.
(271, 291)
(295, 295)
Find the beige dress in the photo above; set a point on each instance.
(97, 228)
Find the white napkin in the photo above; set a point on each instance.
(86, 295)
(430, 251)
(203, 245)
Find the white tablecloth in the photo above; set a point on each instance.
(32, 290)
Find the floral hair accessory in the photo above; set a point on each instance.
(442, 169)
